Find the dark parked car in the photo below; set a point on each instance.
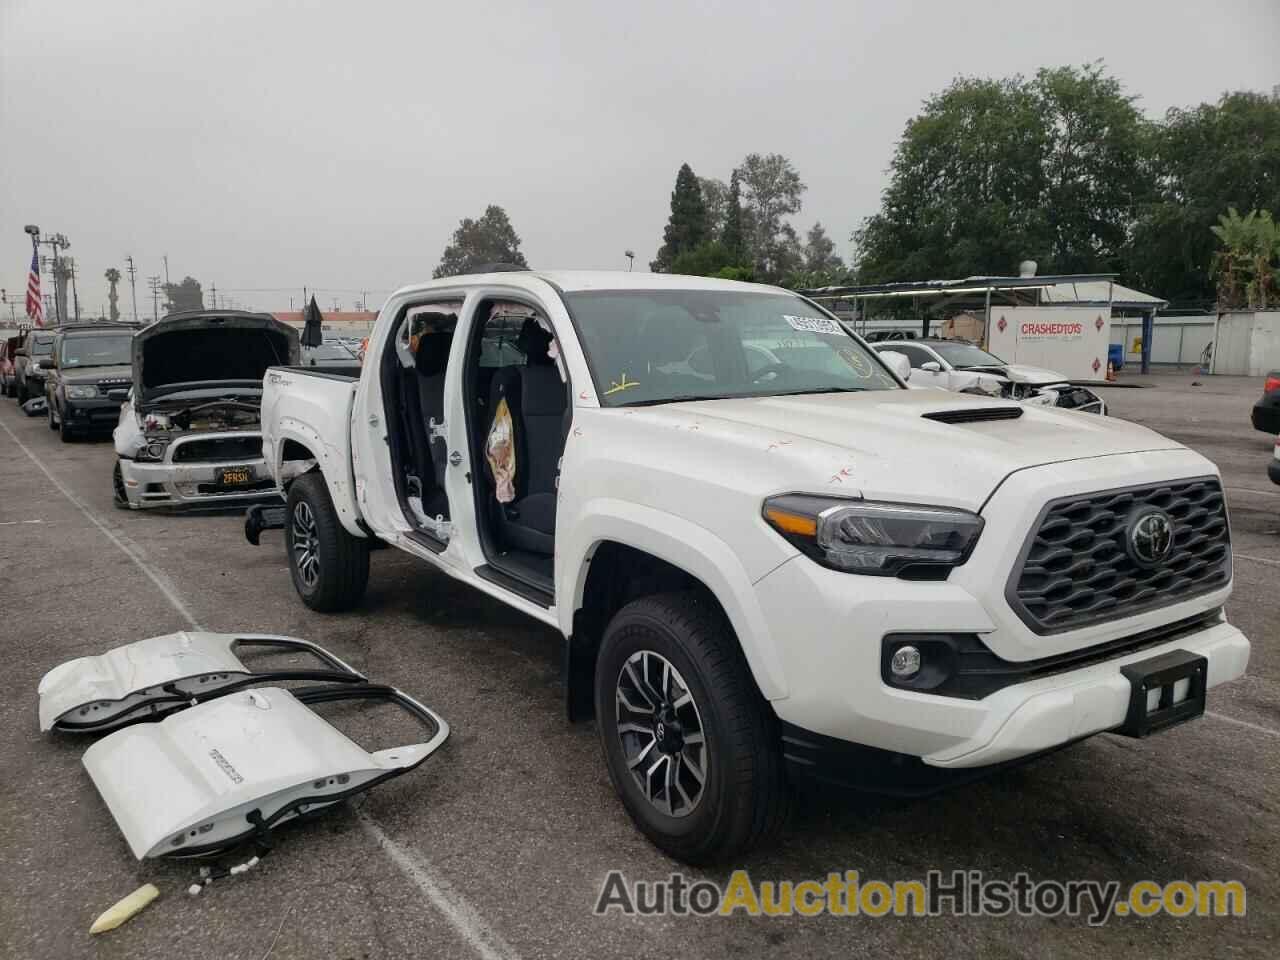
(8, 351)
(1266, 412)
(31, 363)
(90, 378)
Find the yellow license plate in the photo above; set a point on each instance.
(235, 476)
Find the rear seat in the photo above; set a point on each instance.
(538, 400)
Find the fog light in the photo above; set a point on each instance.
(905, 662)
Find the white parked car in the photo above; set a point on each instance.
(188, 434)
(965, 368)
(762, 572)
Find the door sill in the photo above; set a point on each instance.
(521, 588)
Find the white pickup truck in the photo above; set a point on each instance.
(770, 559)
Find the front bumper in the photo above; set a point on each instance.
(166, 483)
(1266, 415)
(827, 628)
(94, 413)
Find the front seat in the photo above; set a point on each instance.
(537, 399)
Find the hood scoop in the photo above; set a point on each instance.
(975, 414)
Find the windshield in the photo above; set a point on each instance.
(42, 347)
(966, 355)
(329, 350)
(659, 346)
(105, 351)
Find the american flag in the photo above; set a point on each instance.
(35, 307)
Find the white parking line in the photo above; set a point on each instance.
(461, 915)
(155, 576)
(479, 936)
(1245, 556)
(1243, 723)
(1260, 493)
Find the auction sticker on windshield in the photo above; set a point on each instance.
(813, 324)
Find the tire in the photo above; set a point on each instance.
(53, 424)
(119, 498)
(64, 432)
(742, 798)
(336, 563)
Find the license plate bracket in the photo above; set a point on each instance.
(1164, 674)
(234, 476)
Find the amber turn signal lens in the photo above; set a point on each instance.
(792, 522)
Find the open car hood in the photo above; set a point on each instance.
(207, 347)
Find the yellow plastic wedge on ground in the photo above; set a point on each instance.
(125, 909)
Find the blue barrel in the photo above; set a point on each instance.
(1115, 354)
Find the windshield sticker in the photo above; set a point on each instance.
(617, 386)
(812, 324)
(860, 364)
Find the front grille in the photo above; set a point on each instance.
(218, 450)
(1075, 568)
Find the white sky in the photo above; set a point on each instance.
(273, 144)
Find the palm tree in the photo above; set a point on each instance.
(113, 277)
(1243, 266)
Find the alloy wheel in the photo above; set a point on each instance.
(661, 731)
(306, 544)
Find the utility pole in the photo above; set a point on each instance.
(56, 242)
(75, 294)
(155, 297)
(213, 294)
(133, 272)
(165, 258)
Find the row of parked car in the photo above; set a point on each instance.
(180, 397)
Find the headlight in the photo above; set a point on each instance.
(152, 450)
(81, 393)
(877, 539)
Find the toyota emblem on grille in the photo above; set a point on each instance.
(1150, 539)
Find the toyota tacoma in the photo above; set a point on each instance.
(770, 560)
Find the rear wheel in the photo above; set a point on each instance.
(330, 567)
(691, 746)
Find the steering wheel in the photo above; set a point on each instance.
(776, 367)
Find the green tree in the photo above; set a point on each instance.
(820, 252)
(994, 171)
(186, 295)
(732, 234)
(687, 226)
(1094, 180)
(1205, 159)
(1245, 264)
(715, 198)
(113, 277)
(771, 190)
(477, 243)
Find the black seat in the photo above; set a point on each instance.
(537, 400)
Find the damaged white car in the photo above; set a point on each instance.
(190, 431)
(966, 368)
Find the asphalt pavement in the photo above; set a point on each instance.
(498, 846)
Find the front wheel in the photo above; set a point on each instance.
(330, 567)
(118, 495)
(692, 748)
